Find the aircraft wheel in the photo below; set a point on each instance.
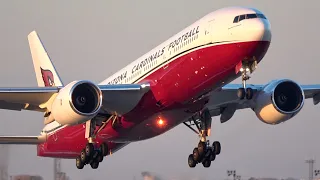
(89, 150)
(196, 155)
(99, 157)
(201, 148)
(104, 149)
(212, 155)
(94, 164)
(83, 156)
(216, 147)
(206, 163)
(241, 93)
(79, 163)
(249, 93)
(192, 163)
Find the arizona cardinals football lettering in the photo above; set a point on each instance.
(47, 77)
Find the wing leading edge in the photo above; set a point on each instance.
(120, 98)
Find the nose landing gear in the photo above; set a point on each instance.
(247, 67)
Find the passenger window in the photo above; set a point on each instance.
(236, 19)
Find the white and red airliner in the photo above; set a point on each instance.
(183, 80)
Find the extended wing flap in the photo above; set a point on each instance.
(121, 98)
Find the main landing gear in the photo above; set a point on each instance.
(247, 67)
(203, 153)
(92, 154)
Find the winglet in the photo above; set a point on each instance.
(45, 71)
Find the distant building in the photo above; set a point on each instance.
(4, 161)
(26, 177)
(62, 176)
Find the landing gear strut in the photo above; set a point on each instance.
(247, 67)
(203, 153)
(92, 154)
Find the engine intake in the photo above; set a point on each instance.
(76, 103)
(279, 101)
(85, 98)
(288, 97)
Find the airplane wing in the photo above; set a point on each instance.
(122, 97)
(25, 98)
(25, 140)
(224, 102)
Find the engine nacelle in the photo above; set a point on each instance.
(77, 103)
(279, 101)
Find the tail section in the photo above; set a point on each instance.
(45, 71)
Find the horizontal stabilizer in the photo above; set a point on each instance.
(31, 140)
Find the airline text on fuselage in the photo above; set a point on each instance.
(119, 78)
(156, 55)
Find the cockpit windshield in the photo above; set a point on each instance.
(248, 16)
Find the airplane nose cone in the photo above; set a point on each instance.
(260, 29)
(254, 29)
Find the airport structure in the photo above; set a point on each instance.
(58, 174)
(4, 162)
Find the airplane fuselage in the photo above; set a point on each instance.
(181, 71)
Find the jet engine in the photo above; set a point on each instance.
(279, 101)
(76, 103)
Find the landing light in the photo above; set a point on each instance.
(161, 122)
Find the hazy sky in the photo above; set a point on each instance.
(93, 39)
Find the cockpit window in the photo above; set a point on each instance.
(236, 19)
(251, 16)
(261, 16)
(248, 16)
(242, 17)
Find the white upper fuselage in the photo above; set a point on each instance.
(221, 26)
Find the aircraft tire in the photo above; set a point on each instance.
(99, 157)
(89, 150)
(104, 149)
(241, 93)
(191, 162)
(201, 148)
(212, 155)
(249, 93)
(94, 164)
(216, 147)
(196, 155)
(83, 157)
(79, 163)
(206, 163)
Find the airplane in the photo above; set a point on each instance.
(185, 80)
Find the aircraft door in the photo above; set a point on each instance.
(209, 31)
